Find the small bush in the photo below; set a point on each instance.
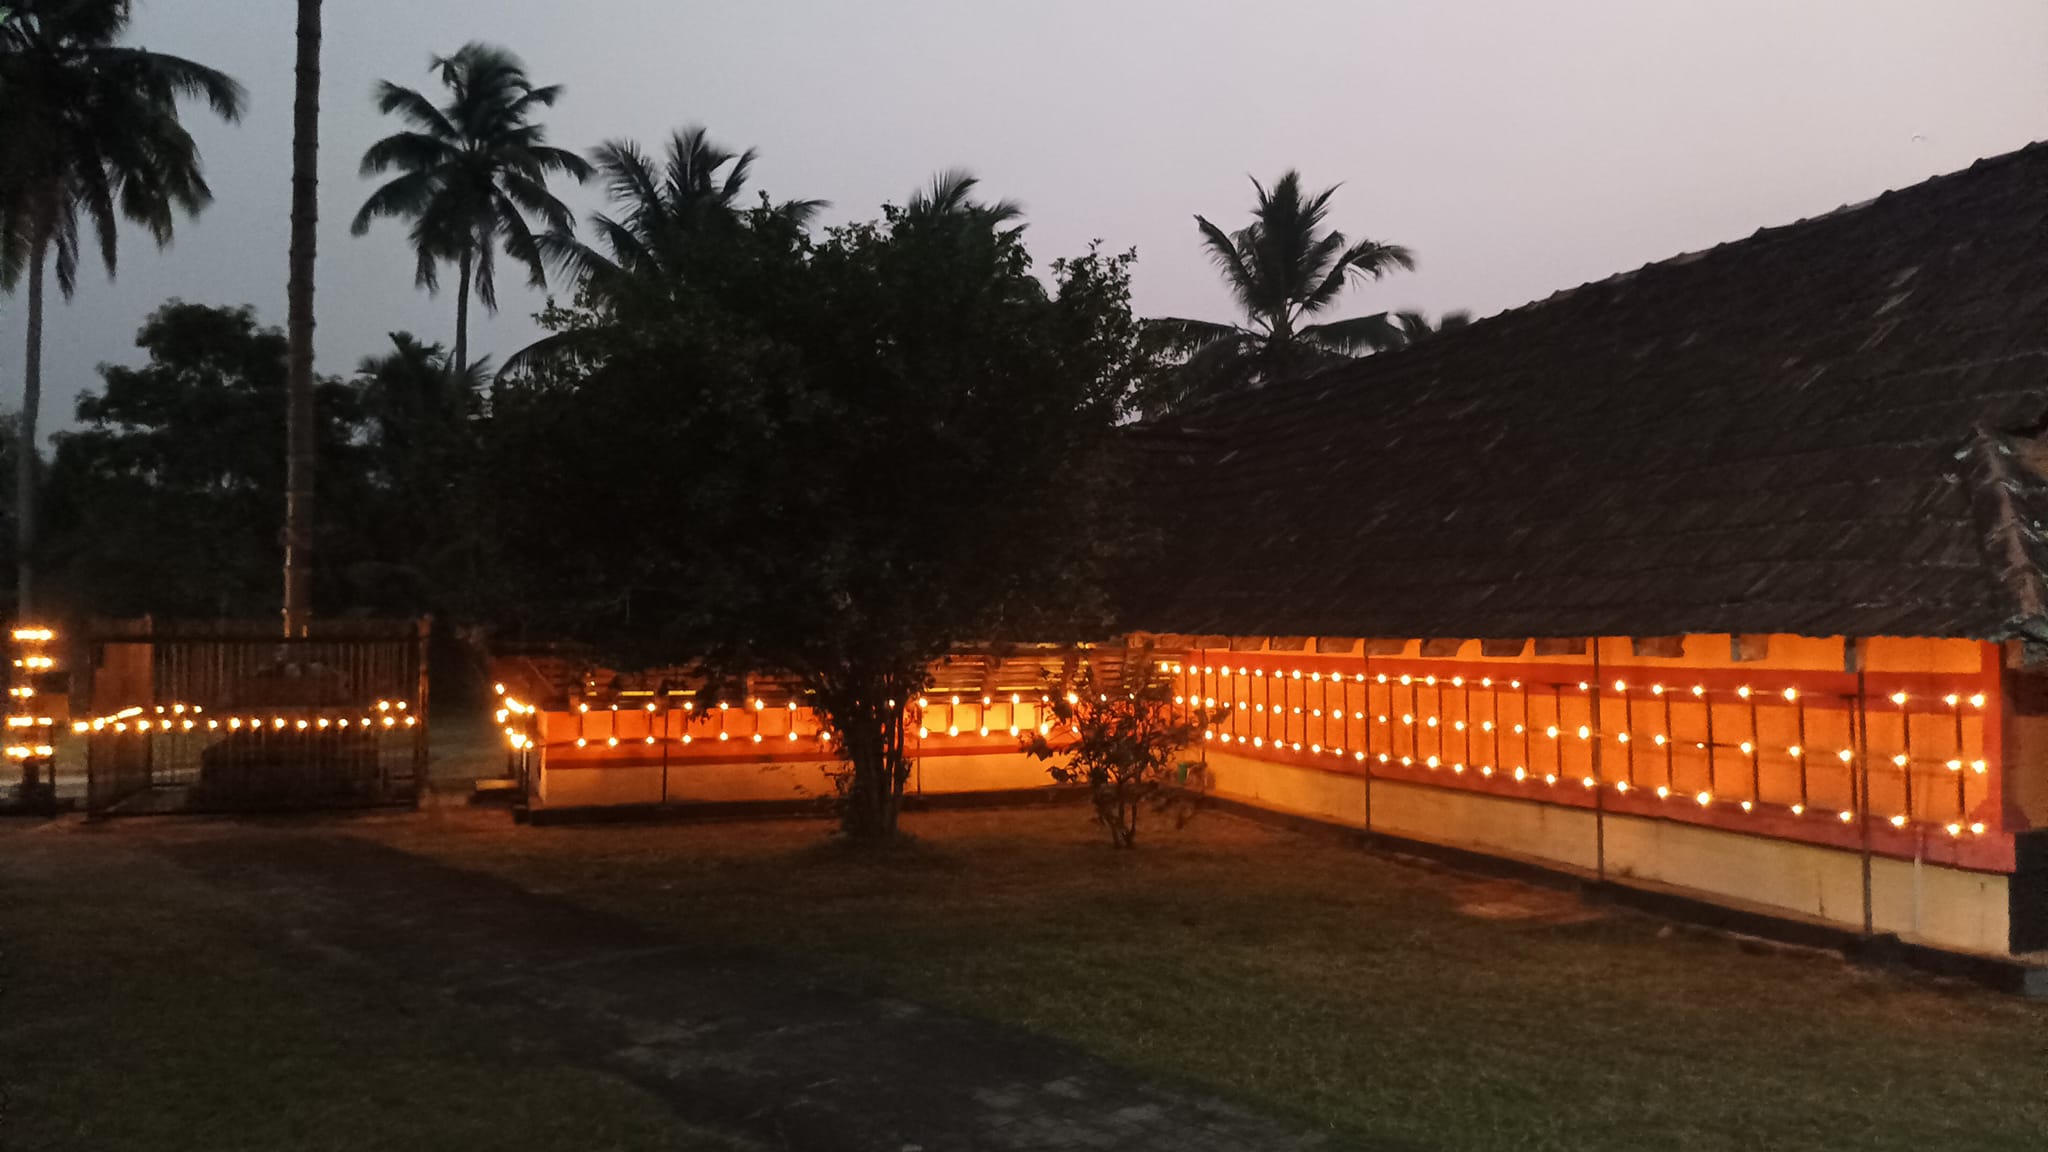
(1124, 741)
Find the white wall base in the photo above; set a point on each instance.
(1941, 906)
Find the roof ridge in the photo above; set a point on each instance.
(1335, 374)
(1766, 232)
(2014, 549)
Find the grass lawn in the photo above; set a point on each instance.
(141, 1011)
(1382, 1000)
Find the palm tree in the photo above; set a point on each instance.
(1284, 268)
(471, 172)
(695, 187)
(1414, 326)
(664, 211)
(299, 431)
(87, 126)
(950, 196)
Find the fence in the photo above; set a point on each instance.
(228, 715)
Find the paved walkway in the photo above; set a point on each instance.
(781, 1056)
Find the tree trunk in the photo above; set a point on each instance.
(461, 361)
(25, 448)
(299, 440)
(870, 723)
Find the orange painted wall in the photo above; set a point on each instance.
(1703, 737)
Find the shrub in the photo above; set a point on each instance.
(1123, 740)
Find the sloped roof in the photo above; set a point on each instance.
(1824, 429)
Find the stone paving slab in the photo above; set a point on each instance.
(785, 1057)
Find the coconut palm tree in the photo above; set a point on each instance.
(299, 432)
(471, 173)
(88, 127)
(695, 187)
(950, 195)
(662, 208)
(1285, 269)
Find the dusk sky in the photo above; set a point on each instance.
(1517, 148)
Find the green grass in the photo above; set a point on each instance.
(140, 1011)
(1304, 977)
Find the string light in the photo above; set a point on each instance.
(1446, 716)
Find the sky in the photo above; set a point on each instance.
(1517, 148)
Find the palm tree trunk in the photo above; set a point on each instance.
(462, 318)
(25, 447)
(299, 442)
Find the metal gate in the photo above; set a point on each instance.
(223, 716)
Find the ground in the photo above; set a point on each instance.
(450, 980)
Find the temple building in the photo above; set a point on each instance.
(1724, 576)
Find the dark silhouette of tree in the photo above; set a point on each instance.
(299, 439)
(951, 195)
(664, 216)
(88, 127)
(1285, 268)
(832, 458)
(164, 499)
(471, 173)
(420, 435)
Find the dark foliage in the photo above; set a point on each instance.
(90, 136)
(1285, 269)
(166, 499)
(833, 458)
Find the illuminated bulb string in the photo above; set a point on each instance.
(169, 719)
(1906, 762)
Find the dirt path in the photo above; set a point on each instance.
(746, 1045)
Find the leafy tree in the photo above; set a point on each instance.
(88, 126)
(165, 498)
(1123, 739)
(471, 173)
(1284, 268)
(832, 458)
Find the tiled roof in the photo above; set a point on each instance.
(1824, 429)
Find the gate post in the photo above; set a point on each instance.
(424, 629)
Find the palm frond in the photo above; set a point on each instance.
(1225, 254)
(411, 151)
(170, 78)
(950, 195)
(407, 195)
(1361, 334)
(415, 109)
(1184, 337)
